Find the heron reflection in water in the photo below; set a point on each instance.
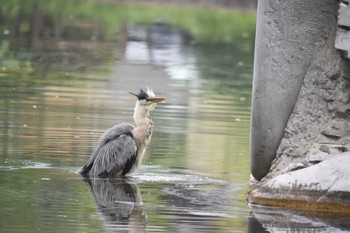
(119, 203)
(120, 150)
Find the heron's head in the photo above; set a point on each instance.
(147, 99)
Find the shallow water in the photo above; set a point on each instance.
(195, 174)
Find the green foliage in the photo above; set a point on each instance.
(9, 63)
(206, 25)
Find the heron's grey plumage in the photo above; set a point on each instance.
(120, 150)
(114, 154)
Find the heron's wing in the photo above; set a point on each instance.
(114, 155)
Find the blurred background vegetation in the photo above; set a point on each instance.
(30, 27)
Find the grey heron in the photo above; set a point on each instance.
(121, 148)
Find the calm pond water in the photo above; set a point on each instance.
(195, 175)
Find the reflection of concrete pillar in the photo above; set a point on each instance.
(16, 32)
(57, 28)
(123, 37)
(149, 42)
(37, 24)
(96, 32)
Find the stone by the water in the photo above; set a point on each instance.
(325, 186)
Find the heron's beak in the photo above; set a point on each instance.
(157, 100)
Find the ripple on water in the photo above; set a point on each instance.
(161, 174)
(23, 164)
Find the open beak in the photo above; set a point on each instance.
(157, 100)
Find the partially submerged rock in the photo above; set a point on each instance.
(325, 186)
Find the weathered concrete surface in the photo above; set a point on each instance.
(288, 38)
(318, 126)
(325, 186)
(342, 41)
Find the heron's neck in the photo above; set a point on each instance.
(143, 130)
(141, 116)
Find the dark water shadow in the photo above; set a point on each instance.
(119, 203)
(254, 226)
(272, 219)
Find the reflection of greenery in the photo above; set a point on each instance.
(43, 201)
(8, 62)
(226, 67)
(32, 20)
(203, 24)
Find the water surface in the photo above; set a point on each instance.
(58, 97)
